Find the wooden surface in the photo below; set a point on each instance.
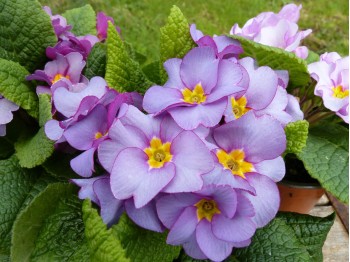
(336, 247)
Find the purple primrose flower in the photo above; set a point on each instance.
(197, 89)
(208, 223)
(332, 76)
(6, 109)
(147, 155)
(59, 24)
(278, 30)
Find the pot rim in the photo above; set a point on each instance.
(305, 185)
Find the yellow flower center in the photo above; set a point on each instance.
(239, 107)
(98, 135)
(234, 161)
(158, 153)
(59, 77)
(206, 209)
(338, 92)
(196, 96)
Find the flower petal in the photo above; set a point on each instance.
(83, 164)
(274, 168)
(172, 67)
(192, 249)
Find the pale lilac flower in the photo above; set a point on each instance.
(224, 46)
(278, 30)
(6, 109)
(67, 67)
(145, 157)
(248, 156)
(266, 95)
(208, 223)
(332, 76)
(59, 23)
(197, 89)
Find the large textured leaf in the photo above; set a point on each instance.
(283, 239)
(175, 38)
(18, 187)
(61, 237)
(25, 33)
(83, 20)
(143, 245)
(278, 59)
(96, 61)
(44, 109)
(311, 231)
(122, 72)
(15, 88)
(152, 72)
(103, 245)
(31, 220)
(326, 158)
(296, 133)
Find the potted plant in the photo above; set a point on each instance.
(108, 159)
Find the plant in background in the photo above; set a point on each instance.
(180, 157)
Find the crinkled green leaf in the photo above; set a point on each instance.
(6, 148)
(61, 236)
(15, 88)
(30, 221)
(140, 58)
(311, 231)
(296, 133)
(35, 150)
(58, 165)
(152, 72)
(83, 20)
(122, 72)
(277, 59)
(25, 33)
(18, 186)
(44, 109)
(143, 245)
(326, 158)
(96, 61)
(103, 245)
(175, 39)
(289, 237)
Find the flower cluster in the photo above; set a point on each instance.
(332, 76)
(278, 30)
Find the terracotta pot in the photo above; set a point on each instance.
(299, 197)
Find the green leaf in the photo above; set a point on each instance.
(175, 39)
(296, 133)
(58, 165)
(326, 158)
(311, 231)
(35, 150)
(25, 33)
(83, 20)
(103, 246)
(30, 221)
(152, 72)
(143, 245)
(277, 59)
(44, 109)
(6, 148)
(312, 57)
(15, 88)
(18, 187)
(122, 73)
(61, 236)
(96, 61)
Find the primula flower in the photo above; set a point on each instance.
(102, 25)
(80, 44)
(147, 155)
(6, 109)
(59, 23)
(266, 95)
(208, 223)
(248, 156)
(197, 89)
(224, 46)
(332, 76)
(67, 67)
(278, 30)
